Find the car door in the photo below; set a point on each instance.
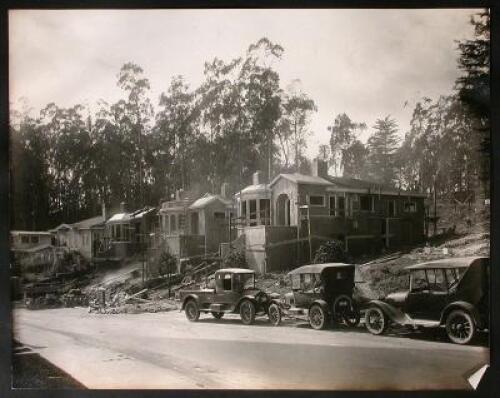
(418, 294)
(225, 293)
(308, 291)
(428, 294)
(438, 294)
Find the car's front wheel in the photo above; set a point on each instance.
(274, 314)
(318, 317)
(247, 312)
(192, 311)
(460, 327)
(375, 320)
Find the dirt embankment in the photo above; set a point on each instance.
(387, 274)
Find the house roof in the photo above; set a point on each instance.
(301, 179)
(457, 262)
(126, 217)
(207, 199)
(318, 268)
(17, 232)
(344, 183)
(88, 223)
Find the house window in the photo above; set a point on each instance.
(337, 206)
(410, 207)
(391, 208)
(253, 212)
(173, 224)
(25, 239)
(219, 215)
(182, 222)
(35, 239)
(243, 209)
(265, 214)
(316, 200)
(365, 203)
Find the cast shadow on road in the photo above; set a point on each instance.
(436, 335)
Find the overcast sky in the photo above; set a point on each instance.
(366, 63)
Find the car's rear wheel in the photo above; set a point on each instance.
(274, 314)
(192, 311)
(217, 315)
(247, 312)
(375, 320)
(460, 327)
(318, 317)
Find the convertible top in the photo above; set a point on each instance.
(318, 268)
(457, 262)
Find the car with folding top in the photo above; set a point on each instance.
(452, 293)
(232, 291)
(322, 294)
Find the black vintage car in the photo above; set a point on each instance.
(452, 292)
(234, 292)
(322, 293)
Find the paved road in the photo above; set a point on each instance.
(164, 350)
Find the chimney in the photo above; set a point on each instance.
(103, 206)
(224, 189)
(319, 168)
(123, 207)
(256, 178)
(178, 194)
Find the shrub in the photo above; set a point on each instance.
(167, 263)
(330, 252)
(235, 259)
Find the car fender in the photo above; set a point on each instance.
(394, 314)
(191, 296)
(463, 305)
(323, 305)
(247, 297)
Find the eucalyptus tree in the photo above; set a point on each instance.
(343, 132)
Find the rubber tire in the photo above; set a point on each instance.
(324, 315)
(192, 311)
(275, 320)
(468, 318)
(383, 317)
(244, 306)
(217, 315)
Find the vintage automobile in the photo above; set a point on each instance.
(234, 292)
(452, 292)
(322, 293)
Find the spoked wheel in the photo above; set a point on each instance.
(344, 310)
(217, 315)
(274, 314)
(460, 327)
(192, 311)
(375, 320)
(247, 312)
(318, 317)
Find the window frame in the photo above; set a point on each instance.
(316, 196)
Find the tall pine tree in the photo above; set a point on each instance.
(382, 146)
